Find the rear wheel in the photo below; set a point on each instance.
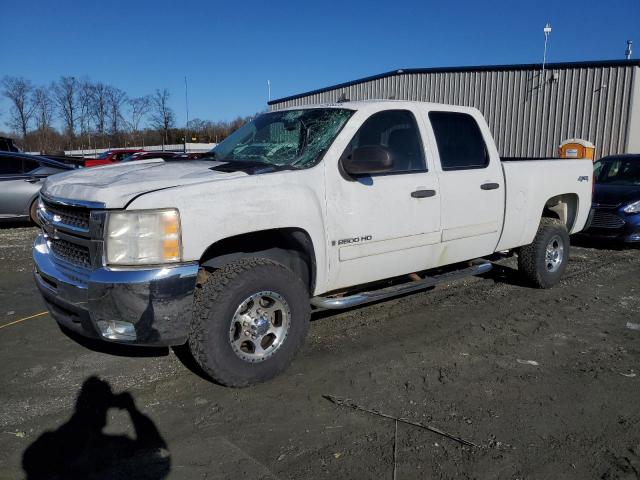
(543, 262)
(250, 319)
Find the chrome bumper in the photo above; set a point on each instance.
(137, 306)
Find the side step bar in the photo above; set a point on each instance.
(336, 303)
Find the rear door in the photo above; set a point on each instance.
(471, 185)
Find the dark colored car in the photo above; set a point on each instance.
(192, 155)
(616, 199)
(110, 156)
(21, 177)
(8, 145)
(147, 155)
(68, 159)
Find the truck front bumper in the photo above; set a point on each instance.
(150, 306)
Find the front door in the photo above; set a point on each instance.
(387, 224)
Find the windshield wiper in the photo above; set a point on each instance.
(257, 166)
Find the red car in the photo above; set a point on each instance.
(110, 156)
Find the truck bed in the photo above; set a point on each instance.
(532, 182)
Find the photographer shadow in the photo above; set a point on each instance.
(80, 449)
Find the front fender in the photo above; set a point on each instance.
(211, 212)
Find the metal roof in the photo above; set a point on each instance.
(476, 68)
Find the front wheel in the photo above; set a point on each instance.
(543, 262)
(250, 319)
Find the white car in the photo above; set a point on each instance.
(325, 206)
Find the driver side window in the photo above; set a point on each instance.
(396, 130)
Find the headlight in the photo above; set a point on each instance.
(143, 237)
(632, 207)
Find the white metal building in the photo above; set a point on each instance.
(529, 112)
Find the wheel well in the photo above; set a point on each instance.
(563, 207)
(292, 247)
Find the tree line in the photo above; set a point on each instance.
(92, 114)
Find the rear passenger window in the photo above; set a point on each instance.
(459, 141)
(397, 130)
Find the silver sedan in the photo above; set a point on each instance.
(21, 177)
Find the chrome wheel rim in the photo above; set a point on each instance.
(260, 326)
(554, 253)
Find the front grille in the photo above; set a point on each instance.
(76, 217)
(71, 252)
(606, 220)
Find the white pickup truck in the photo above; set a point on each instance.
(325, 206)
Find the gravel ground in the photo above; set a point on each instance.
(546, 382)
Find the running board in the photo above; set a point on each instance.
(336, 303)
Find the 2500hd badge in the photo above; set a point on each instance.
(347, 241)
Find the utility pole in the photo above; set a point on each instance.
(628, 52)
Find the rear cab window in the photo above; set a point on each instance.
(460, 142)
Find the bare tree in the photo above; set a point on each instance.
(162, 115)
(99, 106)
(43, 105)
(65, 96)
(138, 108)
(84, 107)
(18, 90)
(116, 98)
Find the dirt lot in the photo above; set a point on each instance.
(546, 382)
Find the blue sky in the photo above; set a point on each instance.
(228, 50)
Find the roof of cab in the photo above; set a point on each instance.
(386, 103)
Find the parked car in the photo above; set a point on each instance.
(8, 145)
(616, 199)
(68, 159)
(191, 156)
(326, 206)
(21, 177)
(148, 155)
(110, 156)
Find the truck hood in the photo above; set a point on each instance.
(116, 185)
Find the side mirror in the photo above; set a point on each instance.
(368, 160)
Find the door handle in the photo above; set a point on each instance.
(423, 193)
(32, 180)
(489, 186)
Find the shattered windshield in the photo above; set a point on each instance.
(295, 138)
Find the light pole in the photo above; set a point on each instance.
(269, 89)
(547, 31)
(186, 106)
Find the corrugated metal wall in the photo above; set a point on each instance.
(528, 117)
